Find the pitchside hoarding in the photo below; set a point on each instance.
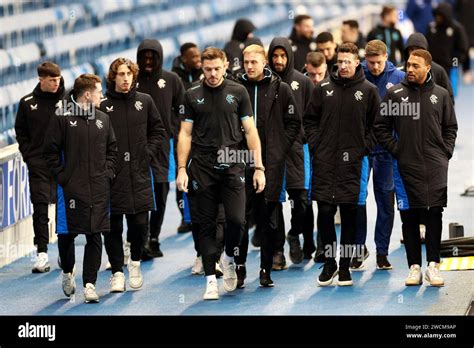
(14, 191)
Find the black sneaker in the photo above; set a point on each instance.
(184, 227)
(328, 273)
(279, 261)
(382, 262)
(265, 280)
(296, 254)
(241, 275)
(151, 250)
(345, 278)
(357, 263)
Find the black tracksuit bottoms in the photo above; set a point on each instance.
(212, 186)
(92, 255)
(137, 233)
(433, 219)
(266, 220)
(40, 226)
(302, 220)
(325, 223)
(156, 216)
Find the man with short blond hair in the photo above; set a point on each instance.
(278, 123)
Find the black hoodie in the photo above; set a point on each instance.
(440, 76)
(302, 88)
(167, 92)
(34, 113)
(422, 144)
(233, 49)
(447, 40)
(139, 131)
(188, 77)
(301, 46)
(338, 124)
(277, 127)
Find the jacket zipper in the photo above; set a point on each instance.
(130, 153)
(424, 159)
(89, 174)
(337, 145)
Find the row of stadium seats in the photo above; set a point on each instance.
(86, 45)
(215, 34)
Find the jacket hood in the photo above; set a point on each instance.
(358, 76)
(446, 11)
(48, 95)
(415, 40)
(154, 46)
(284, 43)
(243, 27)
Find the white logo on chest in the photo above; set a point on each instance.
(295, 85)
(161, 83)
(138, 105)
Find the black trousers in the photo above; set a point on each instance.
(267, 222)
(411, 233)
(302, 220)
(196, 226)
(92, 255)
(211, 187)
(137, 233)
(40, 226)
(156, 217)
(326, 228)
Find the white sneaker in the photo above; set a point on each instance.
(415, 276)
(229, 275)
(126, 254)
(69, 282)
(433, 276)
(117, 282)
(135, 275)
(42, 263)
(198, 268)
(90, 295)
(212, 291)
